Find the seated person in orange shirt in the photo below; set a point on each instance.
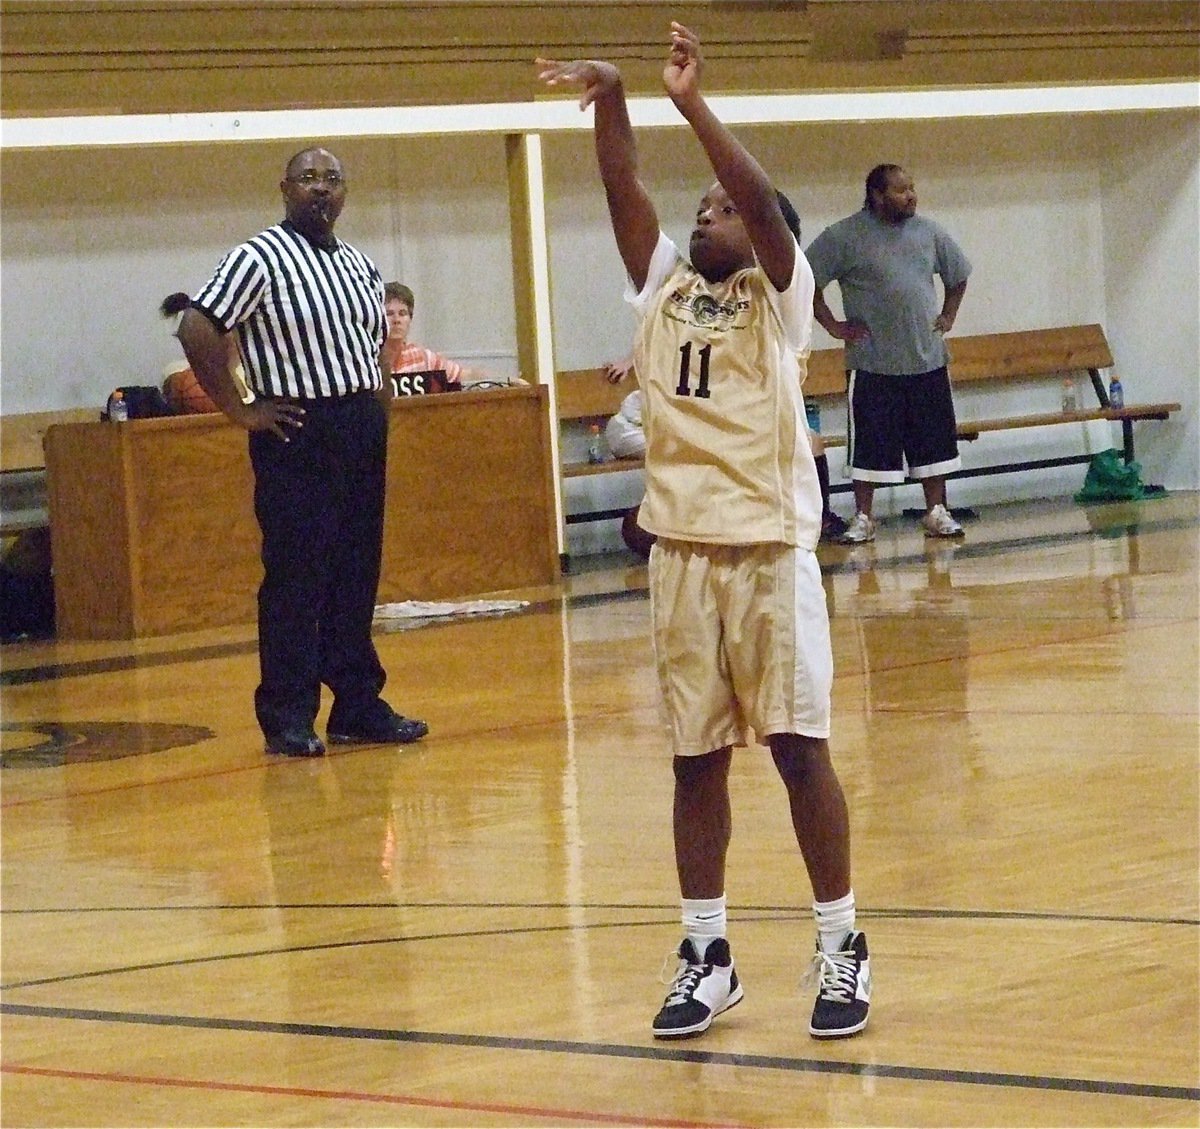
(400, 355)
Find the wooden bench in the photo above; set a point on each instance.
(23, 466)
(585, 395)
(997, 359)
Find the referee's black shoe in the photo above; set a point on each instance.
(296, 742)
(380, 725)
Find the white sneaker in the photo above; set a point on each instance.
(844, 989)
(860, 530)
(939, 523)
(702, 989)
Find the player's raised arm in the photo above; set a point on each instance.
(739, 173)
(634, 220)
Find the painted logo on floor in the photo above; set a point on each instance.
(53, 744)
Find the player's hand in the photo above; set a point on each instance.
(943, 323)
(616, 371)
(596, 78)
(681, 75)
(272, 415)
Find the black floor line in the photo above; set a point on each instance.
(617, 1050)
(898, 913)
(789, 914)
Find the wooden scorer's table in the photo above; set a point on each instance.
(153, 530)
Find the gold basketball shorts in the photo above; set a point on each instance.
(741, 641)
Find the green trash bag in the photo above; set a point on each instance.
(1109, 479)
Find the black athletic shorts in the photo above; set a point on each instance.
(899, 421)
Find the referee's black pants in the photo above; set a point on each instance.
(319, 501)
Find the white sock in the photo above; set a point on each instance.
(834, 921)
(703, 920)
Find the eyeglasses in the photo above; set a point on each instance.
(310, 177)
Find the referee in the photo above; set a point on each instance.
(307, 310)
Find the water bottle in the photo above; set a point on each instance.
(595, 445)
(1070, 401)
(118, 410)
(812, 412)
(1116, 394)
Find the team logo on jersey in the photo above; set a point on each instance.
(701, 309)
(706, 310)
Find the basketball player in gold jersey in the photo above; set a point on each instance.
(741, 633)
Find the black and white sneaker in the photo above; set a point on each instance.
(844, 989)
(702, 989)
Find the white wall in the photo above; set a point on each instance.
(1016, 194)
(1151, 211)
(93, 240)
(1067, 220)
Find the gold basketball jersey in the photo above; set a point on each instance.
(727, 454)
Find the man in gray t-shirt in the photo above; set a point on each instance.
(884, 259)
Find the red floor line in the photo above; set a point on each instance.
(557, 1115)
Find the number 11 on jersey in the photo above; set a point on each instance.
(683, 388)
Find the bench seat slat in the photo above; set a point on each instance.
(583, 470)
(970, 428)
(19, 521)
(967, 429)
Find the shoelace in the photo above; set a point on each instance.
(836, 972)
(683, 983)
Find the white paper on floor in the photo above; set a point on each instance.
(408, 613)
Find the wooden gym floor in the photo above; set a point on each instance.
(470, 931)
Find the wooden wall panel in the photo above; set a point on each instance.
(147, 56)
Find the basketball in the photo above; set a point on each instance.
(185, 396)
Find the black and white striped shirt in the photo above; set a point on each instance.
(310, 322)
